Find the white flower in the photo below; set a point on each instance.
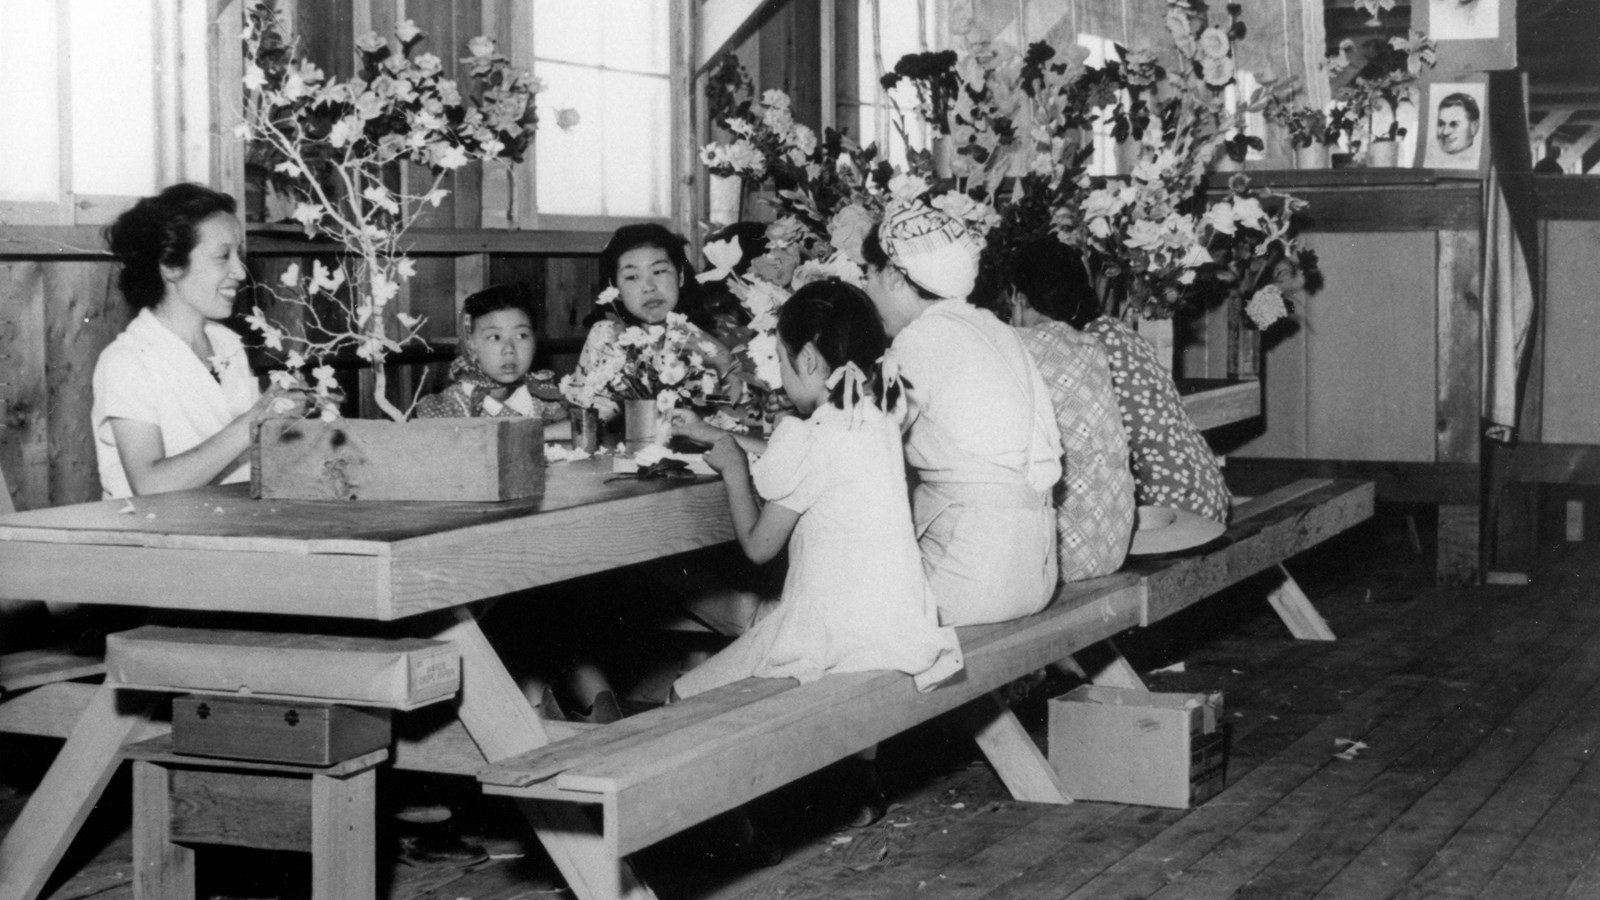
(1221, 218)
(1266, 306)
(408, 320)
(1248, 212)
(607, 296)
(371, 42)
(308, 215)
(428, 64)
(407, 31)
(325, 279)
(436, 196)
(723, 256)
(447, 156)
(407, 267)
(383, 289)
(254, 77)
(775, 99)
(291, 276)
(381, 197)
(763, 350)
(907, 187)
(344, 131)
(481, 46)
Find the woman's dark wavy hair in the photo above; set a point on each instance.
(650, 234)
(1054, 279)
(493, 299)
(160, 231)
(839, 319)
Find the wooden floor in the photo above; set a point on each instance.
(1473, 714)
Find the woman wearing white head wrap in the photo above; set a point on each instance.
(980, 432)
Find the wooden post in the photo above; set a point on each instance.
(344, 836)
(1460, 398)
(162, 870)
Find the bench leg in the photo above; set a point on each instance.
(1016, 759)
(1113, 672)
(1296, 611)
(162, 870)
(502, 723)
(40, 836)
(344, 836)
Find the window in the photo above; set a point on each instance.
(1104, 161)
(611, 63)
(889, 30)
(120, 97)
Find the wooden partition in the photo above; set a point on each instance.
(1381, 378)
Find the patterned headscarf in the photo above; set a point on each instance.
(933, 249)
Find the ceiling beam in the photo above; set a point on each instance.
(1548, 125)
(1582, 145)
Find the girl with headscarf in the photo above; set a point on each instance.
(980, 433)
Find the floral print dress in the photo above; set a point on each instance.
(1172, 463)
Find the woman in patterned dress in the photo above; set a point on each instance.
(1094, 501)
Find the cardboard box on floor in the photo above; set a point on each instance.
(1128, 746)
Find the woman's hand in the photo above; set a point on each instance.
(725, 454)
(685, 423)
(281, 401)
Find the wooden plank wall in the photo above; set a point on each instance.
(1570, 372)
(55, 317)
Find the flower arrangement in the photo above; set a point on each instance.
(1306, 125)
(1251, 237)
(331, 145)
(933, 75)
(1382, 74)
(665, 363)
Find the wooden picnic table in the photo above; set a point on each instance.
(216, 549)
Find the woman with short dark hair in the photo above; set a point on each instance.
(173, 394)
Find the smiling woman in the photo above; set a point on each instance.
(173, 394)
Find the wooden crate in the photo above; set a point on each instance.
(313, 734)
(369, 459)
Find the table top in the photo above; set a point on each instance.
(217, 549)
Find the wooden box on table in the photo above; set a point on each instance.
(312, 734)
(487, 459)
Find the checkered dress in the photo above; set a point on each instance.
(1094, 502)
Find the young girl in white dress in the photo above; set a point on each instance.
(855, 597)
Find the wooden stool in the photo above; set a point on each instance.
(327, 811)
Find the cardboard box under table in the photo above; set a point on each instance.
(1129, 746)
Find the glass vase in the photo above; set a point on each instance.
(641, 422)
(725, 194)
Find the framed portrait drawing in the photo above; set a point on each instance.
(1454, 124)
(1472, 35)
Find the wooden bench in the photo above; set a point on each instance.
(653, 775)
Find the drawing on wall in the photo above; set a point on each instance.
(1455, 125)
(1464, 20)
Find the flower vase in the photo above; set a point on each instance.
(1158, 333)
(1312, 156)
(641, 422)
(943, 157)
(1383, 154)
(725, 194)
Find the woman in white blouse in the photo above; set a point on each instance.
(173, 394)
(980, 432)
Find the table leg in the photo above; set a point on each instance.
(344, 837)
(162, 870)
(57, 809)
(499, 719)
